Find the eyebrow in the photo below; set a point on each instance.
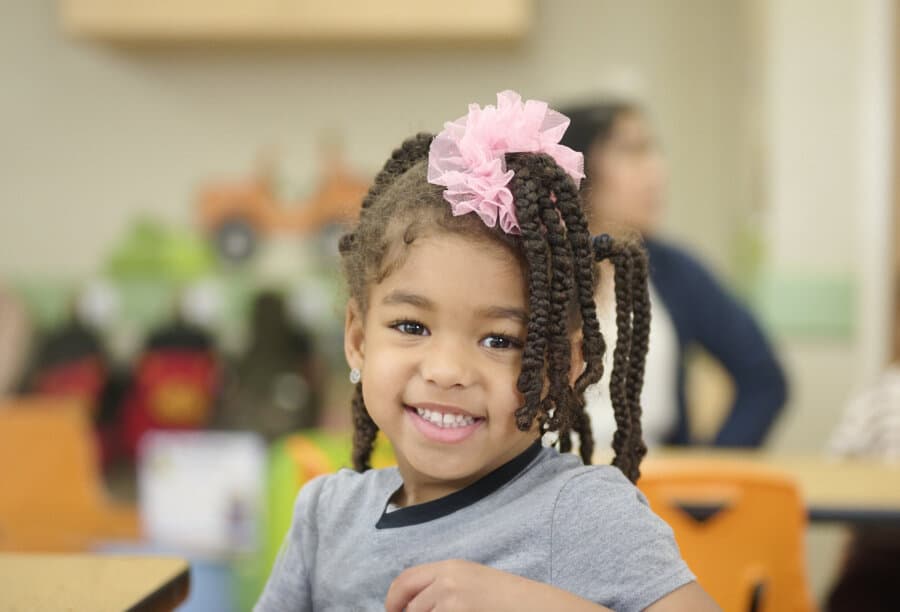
(411, 299)
(503, 312)
(398, 297)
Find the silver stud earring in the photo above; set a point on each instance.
(355, 375)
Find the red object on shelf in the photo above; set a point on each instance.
(173, 389)
(81, 379)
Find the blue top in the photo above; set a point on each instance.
(704, 313)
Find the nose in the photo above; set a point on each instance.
(448, 364)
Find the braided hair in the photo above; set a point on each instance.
(559, 259)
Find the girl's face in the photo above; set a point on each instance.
(627, 177)
(440, 350)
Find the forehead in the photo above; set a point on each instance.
(630, 125)
(458, 271)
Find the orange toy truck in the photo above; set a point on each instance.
(237, 215)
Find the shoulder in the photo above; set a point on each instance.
(608, 546)
(573, 485)
(334, 497)
(689, 289)
(669, 257)
(602, 488)
(598, 505)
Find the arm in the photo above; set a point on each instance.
(609, 547)
(463, 585)
(726, 329)
(690, 597)
(288, 584)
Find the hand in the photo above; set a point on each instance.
(449, 586)
(463, 586)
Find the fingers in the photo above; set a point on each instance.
(407, 586)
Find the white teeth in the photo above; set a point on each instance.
(445, 420)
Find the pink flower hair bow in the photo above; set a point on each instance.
(467, 157)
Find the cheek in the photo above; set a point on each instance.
(634, 178)
(617, 181)
(514, 400)
(509, 375)
(386, 361)
(382, 368)
(656, 172)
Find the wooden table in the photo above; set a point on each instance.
(91, 582)
(857, 491)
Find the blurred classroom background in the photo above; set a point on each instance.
(129, 140)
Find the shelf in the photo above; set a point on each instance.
(297, 20)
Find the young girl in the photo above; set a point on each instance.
(469, 337)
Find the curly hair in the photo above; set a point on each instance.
(558, 258)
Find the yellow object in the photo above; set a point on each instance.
(740, 528)
(92, 582)
(351, 21)
(51, 493)
(179, 404)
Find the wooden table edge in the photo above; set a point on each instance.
(167, 596)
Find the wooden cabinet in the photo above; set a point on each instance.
(297, 20)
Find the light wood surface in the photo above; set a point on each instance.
(834, 489)
(297, 20)
(91, 582)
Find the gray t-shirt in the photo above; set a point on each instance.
(543, 516)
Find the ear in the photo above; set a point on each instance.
(354, 336)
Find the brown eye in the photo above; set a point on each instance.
(499, 341)
(412, 328)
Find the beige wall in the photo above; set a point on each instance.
(760, 105)
(826, 119)
(93, 135)
(826, 72)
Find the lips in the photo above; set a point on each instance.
(441, 408)
(445, 424)
(444, 419)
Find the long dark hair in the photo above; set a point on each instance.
(558, 259)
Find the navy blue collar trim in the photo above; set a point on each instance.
(438, 508)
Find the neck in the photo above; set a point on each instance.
(416, 491)
(419, 488)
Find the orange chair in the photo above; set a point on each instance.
(740, 528)
(51, 493)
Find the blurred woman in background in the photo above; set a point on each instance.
(625, 190)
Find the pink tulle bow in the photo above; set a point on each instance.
(467, 157)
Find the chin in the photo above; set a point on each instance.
(440, 467)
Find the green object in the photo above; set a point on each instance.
(748, 255)
(293, 461)
(154, 251)
(808, 304)
(49, 303)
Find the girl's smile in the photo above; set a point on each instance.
(440, 423)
